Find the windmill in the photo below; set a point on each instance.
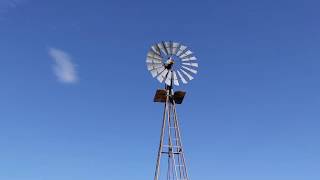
(171, 63)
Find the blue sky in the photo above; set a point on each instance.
(251, 113)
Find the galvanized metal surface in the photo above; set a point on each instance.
(165, 70)
(170, 147)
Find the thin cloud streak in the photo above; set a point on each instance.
(63, 66)
(6, 5)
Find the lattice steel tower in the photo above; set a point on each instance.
(171, 63)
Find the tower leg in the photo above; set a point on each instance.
(156, 176)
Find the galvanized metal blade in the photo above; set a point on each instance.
(181, 77)
(175, 79)
(175, 47)
(152, 54)
(156, 49)
(187, 53)
(181, 49)
(153, 60)
(150, 66)
(162, 76)
(192, 58)
(168, 79)
(156, 70)
(191, 64)
(189, 69)
(185, 73)
(162, 48)
(165, 49)
(168, 47)
(160, 69)
(154, 66)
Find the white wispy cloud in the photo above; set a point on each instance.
(63, 67)
(6, 5)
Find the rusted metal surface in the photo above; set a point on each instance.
(161, 96)
(179, 96)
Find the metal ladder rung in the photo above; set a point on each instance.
(172, 152)
(172, 146)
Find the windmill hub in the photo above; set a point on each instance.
(169, 63)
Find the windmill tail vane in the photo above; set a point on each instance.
(171, 63)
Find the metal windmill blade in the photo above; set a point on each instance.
(154, 61)
(172, 63)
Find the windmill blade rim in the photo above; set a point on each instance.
(156, 68)
(155, 65)
(162, 48)
(168, 46)
(151, 54)
(149, 60)
(156, 49)
(154, 73)
(175, 48)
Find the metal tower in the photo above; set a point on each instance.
(165, 60)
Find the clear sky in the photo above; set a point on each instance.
(76, 97)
